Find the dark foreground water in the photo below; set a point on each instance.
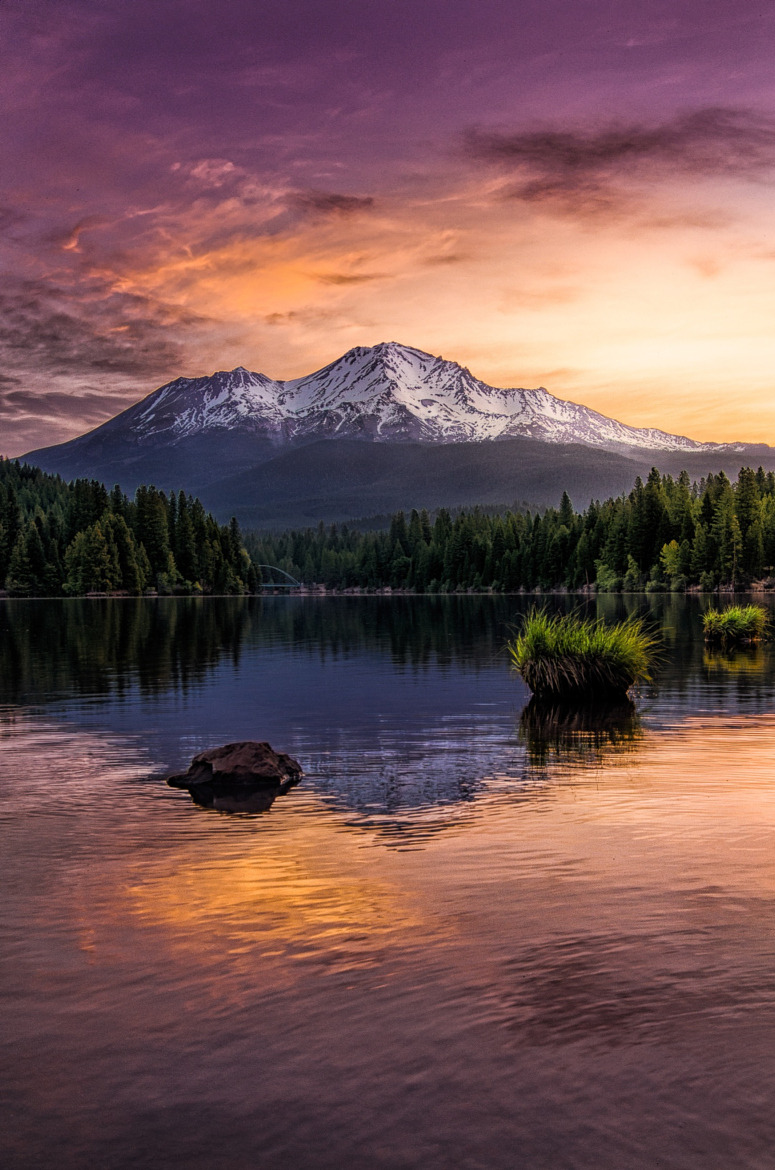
(469, 938)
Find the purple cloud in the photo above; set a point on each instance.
(552, 165)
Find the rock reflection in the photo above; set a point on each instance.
(583, 733)
(225, 796)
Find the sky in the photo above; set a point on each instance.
(562, 193)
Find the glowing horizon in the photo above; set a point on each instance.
(577, 200)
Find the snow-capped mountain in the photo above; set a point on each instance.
(382, 428)
(383, 393)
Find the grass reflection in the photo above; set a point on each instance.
(743, 660)
(584, 733)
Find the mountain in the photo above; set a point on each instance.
(385, 393)
(382, 427)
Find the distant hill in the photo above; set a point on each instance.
(335, 480)
(382, 428)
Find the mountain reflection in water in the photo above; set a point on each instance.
(480, 933)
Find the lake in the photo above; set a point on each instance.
(473, 936)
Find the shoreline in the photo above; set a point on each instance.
(760, 588)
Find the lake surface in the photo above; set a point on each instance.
(471, 937)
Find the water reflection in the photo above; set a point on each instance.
(397, 707)
(581, 732)
(238, 798)
(52, 649)
(617, 990)
(102, 646)
(549, 980)
(542, 962)
(740, 660)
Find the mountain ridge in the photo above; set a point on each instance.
(382, 393)
(381, 428)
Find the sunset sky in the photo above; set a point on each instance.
(564, 193)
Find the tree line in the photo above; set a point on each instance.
(75, 538)
(665, 535)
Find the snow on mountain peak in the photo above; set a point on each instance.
(386, 392)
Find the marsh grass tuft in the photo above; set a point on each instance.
(737, 625)
(573, 658)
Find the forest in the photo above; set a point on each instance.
(60, 538)
(667, 534)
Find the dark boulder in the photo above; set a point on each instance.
(239, 777)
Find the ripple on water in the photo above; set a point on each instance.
(451, 945)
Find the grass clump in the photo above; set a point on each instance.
(573, 658)
(737, 625)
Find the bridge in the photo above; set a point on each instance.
(289, 582)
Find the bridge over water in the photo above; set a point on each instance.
(278, 578)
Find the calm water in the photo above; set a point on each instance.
(471, 937)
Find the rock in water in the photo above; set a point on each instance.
(245, 762)
(239, 777)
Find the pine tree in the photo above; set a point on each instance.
(130, 575)
(151, 527)
(10, 527)
(20, 579)
(91, 563)
(185, 541)
(747, 499)
(728, 538)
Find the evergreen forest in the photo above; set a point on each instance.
(667, 534)
(77, 538)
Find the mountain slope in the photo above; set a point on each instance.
(211, 434)
(382, 393)
(336, 480)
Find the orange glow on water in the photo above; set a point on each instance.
(681, 813)
(566, 925)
